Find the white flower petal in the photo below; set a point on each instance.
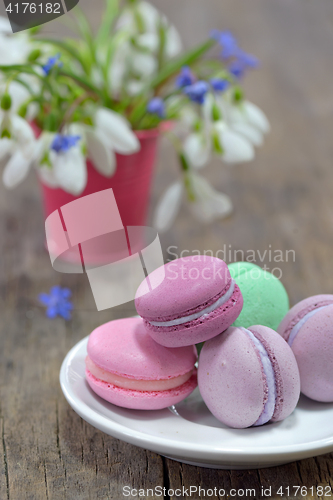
(22, 131)
(196, 150)
(70, 170)
(149, 41)
(236, 149)
(126, 21)
(173, 44)
(5, 25)
(6, 147)
(115, 127)
(256, 116)
(150, 16)
(168, 207)
(250, 132)
(134, 87)
(209, 204)
(101, 155)
(144, 64)
(47, 176)
(16, 169)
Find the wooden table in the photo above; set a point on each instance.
(283, 199)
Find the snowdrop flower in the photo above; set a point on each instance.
(68, 163)
(140, 53)
(112, 133)
(197, 91)
(248, 112)
(5, 27)
(21, 145)
(156, 106)
(234, 147)
(168, 207)
(197, 149)
(115, 129)
(207, 203)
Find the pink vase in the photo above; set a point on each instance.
(131, 183)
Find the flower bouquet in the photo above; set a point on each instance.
(88, 103)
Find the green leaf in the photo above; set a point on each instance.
(110, 14)
(82, 81)
(85, 31)
(174, 66)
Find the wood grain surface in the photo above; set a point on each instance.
(283, 201)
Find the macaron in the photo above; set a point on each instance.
(308, 329)
(196, 299)
(248, 377)
(265, 299)
(127, 368)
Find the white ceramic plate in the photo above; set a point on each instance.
(190, 434)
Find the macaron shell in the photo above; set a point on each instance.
(299, 310)
(230, 378)
(265, 299)
(124, 347)
(141, 400)
(201, 329)
(313, 349)
(285, 369)
(188, 283)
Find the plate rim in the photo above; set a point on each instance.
(168, 446)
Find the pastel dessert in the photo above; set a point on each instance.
(127, 368)
(248, 377)
(196, 300)
(308, 329)
(265, 299)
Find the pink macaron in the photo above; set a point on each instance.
(127, 368)
(248, 377)
(196, 299)
(308, 329)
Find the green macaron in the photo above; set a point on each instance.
(266, 301)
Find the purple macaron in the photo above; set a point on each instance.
(248, 377)
(308, 329)
(196, 299)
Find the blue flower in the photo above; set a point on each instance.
(219, 84)
(156, 106)
(51, 62)
(57, 303)
(63, 143)
(227, 41)
(248, 60)
(238, 66)
(237, 69)
(197, 91)
(185, 78)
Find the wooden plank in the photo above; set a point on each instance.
(283, 201)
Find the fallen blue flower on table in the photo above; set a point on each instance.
(57, 302)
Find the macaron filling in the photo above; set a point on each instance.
(136, 384)
(203, 313)
(270, 382)
(302, 322)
